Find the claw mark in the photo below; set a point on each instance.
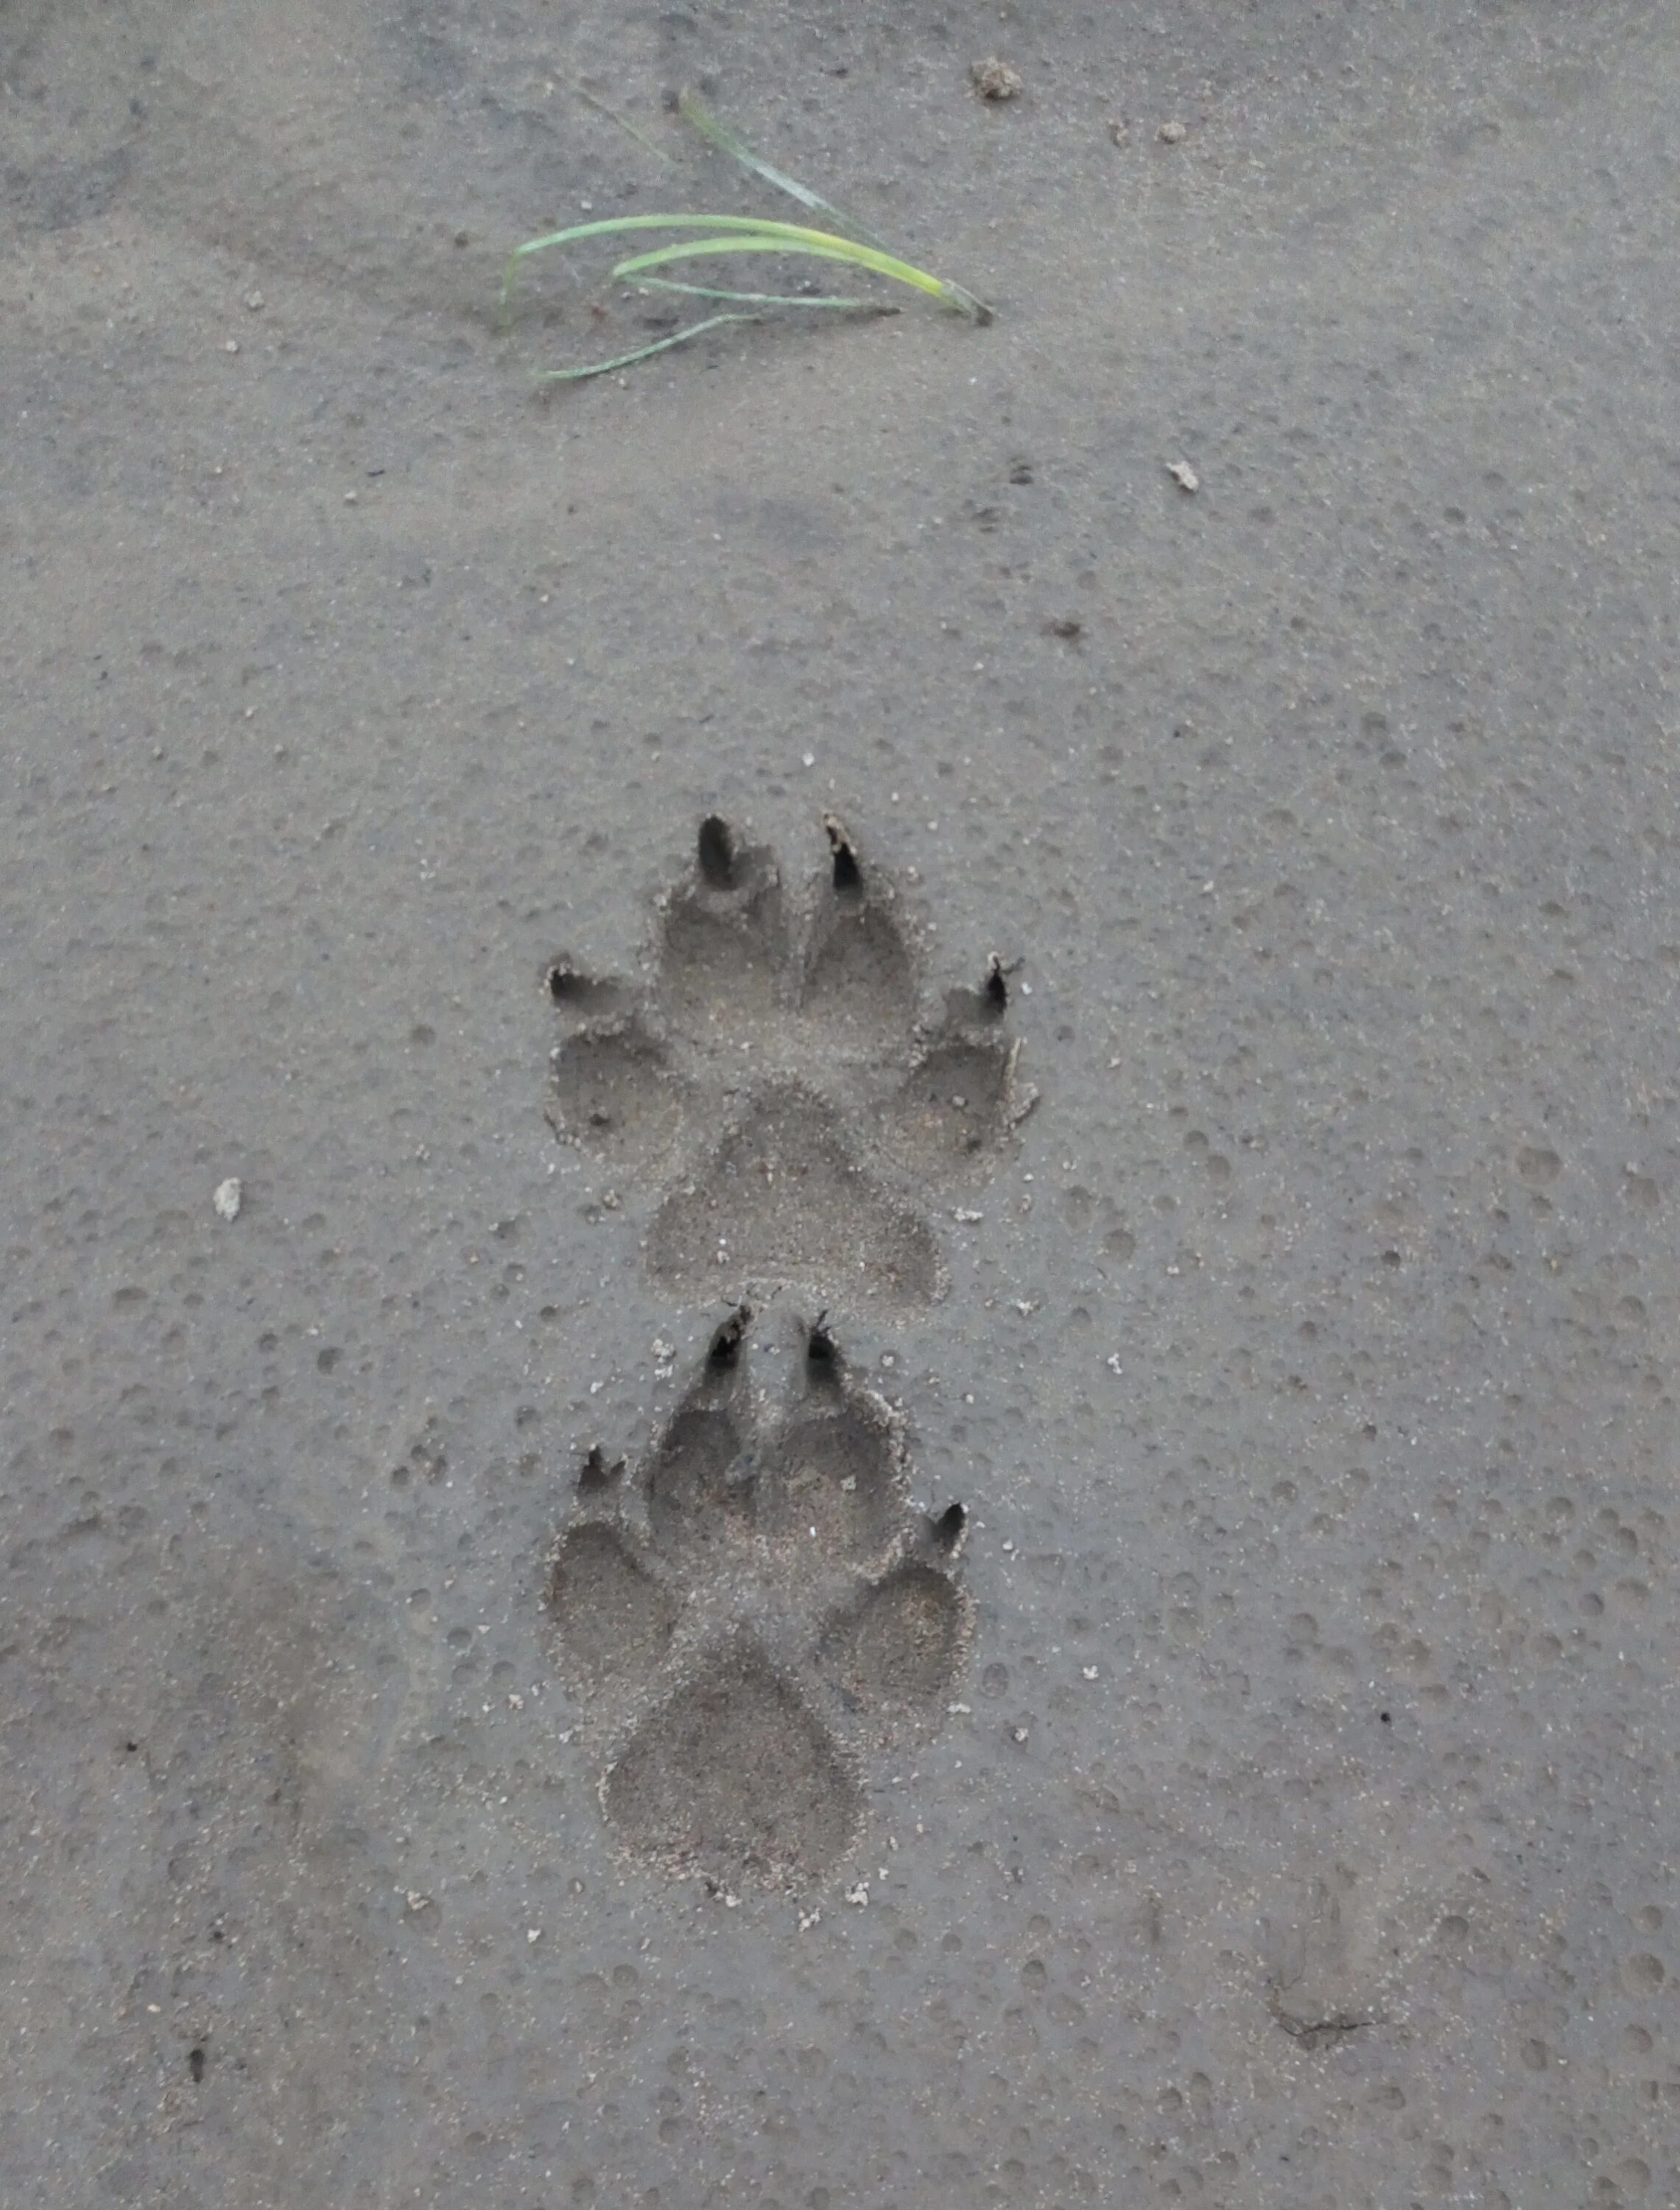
(595, 1475)
(717, 854)
(725, 1344)
(848, 875)
(822, 1357)
(567, 984)
(947, 1527)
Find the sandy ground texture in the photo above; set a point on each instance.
(765, 1564)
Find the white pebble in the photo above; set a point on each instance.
(227, 1199)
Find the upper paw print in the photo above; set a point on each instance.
(751, 1612)
(779, 1079)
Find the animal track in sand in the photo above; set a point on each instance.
(774, 1089)
(753, 1610)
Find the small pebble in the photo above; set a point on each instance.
(1173, 134)
(227, 1198)
(994, 80)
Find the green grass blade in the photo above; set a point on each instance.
(694, 112)
(611, 228)
(700, 117)
(642, 352)
(813, 245)
(766, 299)
(825, 244)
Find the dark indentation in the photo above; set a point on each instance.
(947, 1528)
(782, 1200)
(613, 1615)
(131, 1746)
(833, 1484)
(196, 2064)
(691, 1499)
(595, 1475)
(1066, 628)
(717, 854)
(848, 875)
(1021, 472)
(1387, 1717)
(824, 1363)
(724, 1350)
(899, 1646)
(568, 984)
(735, 1775)
(995, 989)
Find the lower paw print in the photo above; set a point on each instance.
(748, 1614)
(778, 1091)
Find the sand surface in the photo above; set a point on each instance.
(1261, 1792)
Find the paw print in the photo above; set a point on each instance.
(777, 1086)
(754, 1609)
